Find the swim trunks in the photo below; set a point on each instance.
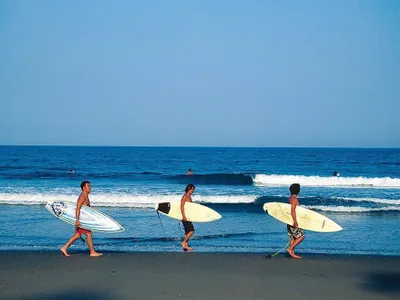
(81, 230)
(188, 226)
(295, 232)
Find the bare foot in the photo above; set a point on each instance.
(186, 247)
(96, 254)
(64, 251)
(291, 253)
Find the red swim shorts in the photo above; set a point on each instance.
(81, 230)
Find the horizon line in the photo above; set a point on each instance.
(194, 146)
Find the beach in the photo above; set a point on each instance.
(145, 275)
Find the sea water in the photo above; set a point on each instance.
(236, 182)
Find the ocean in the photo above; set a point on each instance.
(236, 182)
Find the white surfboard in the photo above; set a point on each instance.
(194, 212)
(90, 218)
(307, 219)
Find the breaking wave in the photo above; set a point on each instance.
(353, 209)
(220, 179)
(118, 200)
(317, 181)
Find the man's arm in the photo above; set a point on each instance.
(79, 204)
(293, 203)
(183, 201)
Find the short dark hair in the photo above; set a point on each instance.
(83, 183)
(189, 187)
(295, 189)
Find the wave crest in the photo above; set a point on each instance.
(119, 200)
(352, 209)
(286, 180)
(223, 179)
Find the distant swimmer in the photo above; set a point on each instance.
(189, 172)
(189, 229)
(336, 174)
(82, 200)
(295, 233)
(72, 171)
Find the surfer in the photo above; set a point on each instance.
(189, 172)
(189, 229)
(295, 233)
(83, 199)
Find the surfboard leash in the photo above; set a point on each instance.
(180, 230)
(272, 255)
(162, 226)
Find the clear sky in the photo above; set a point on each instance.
(200, 73)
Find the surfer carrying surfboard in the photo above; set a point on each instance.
(187, 225)
(295, 233)
(83, 199)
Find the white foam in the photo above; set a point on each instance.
(352, 209)
(372, 200)
(286, 180)
(118, 200)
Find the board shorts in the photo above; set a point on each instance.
(82, 231)
(295, 232)
(188, 226)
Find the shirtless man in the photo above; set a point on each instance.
(296, 234)
(83, 199)
(189, 229)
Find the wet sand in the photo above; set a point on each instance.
(49, 275)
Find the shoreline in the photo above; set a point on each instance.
(282, 254)
(172, 275)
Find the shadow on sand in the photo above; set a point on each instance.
(71, 295)
(383, 282)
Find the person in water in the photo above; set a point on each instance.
(187, 225)
(83, 199)
(336, 174)
(295, 233)
(189, 172)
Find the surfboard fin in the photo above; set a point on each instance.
(164, 207)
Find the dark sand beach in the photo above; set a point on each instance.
(49, 275)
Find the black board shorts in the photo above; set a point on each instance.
(295, 232)
(188, 226)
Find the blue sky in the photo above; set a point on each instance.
(200, 73)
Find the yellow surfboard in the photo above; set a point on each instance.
(194, 212)
(307, 219)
